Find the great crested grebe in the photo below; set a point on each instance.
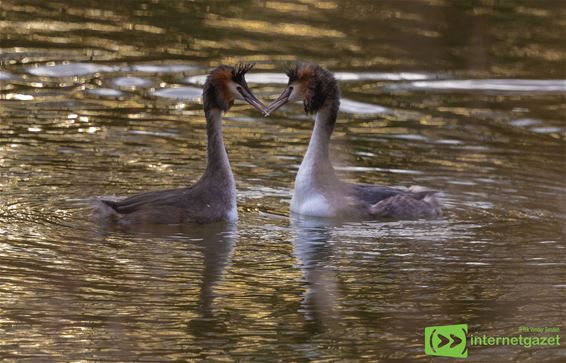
(318, 191)
(213, 197)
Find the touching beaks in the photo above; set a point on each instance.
(279, 102)
(249, 97)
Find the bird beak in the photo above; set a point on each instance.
(252, 100)
(279, 102)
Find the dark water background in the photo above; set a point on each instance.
(102, 98)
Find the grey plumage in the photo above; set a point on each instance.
(408, 205)
(213, 197)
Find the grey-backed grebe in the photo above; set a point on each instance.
(318, 191)
(213, 197)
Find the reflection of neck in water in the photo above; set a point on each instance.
(216, 241)
(218, 245)
(312, 248)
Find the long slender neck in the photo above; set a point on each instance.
(317, 155)
(218, 165)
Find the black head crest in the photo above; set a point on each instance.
(318, 84)
(240, 71)
(293, 71)
(216, 91)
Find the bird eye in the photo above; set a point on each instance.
(239, 89)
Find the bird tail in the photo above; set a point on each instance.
(428, 196)
(419, 202)
(105, 209)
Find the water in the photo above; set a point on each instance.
(104, 99)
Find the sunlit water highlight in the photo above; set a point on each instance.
(105, 100)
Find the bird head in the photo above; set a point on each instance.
(225, 84)
(311, 84)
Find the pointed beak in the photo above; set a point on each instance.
(279, 102)
(252, 100)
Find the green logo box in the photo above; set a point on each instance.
(446, 340)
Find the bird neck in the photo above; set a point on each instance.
(218, 165)
(319, 144)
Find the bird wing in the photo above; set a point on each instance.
(373, 193)
(143, 200)
(408, 205)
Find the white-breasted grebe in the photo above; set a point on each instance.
(318, 191)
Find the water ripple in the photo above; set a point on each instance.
(356, 107)
(505, 85)
(105, 92)
(281, 78)
(71, 69)
(89, 107)
(131, 82)
(163, 68)
(5, 76)
(181, 93)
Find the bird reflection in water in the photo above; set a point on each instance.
(216, 241)
(312, 246)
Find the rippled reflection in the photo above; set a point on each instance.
(312, 247)
(105, 99)
(519, 85)
(216, 243)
